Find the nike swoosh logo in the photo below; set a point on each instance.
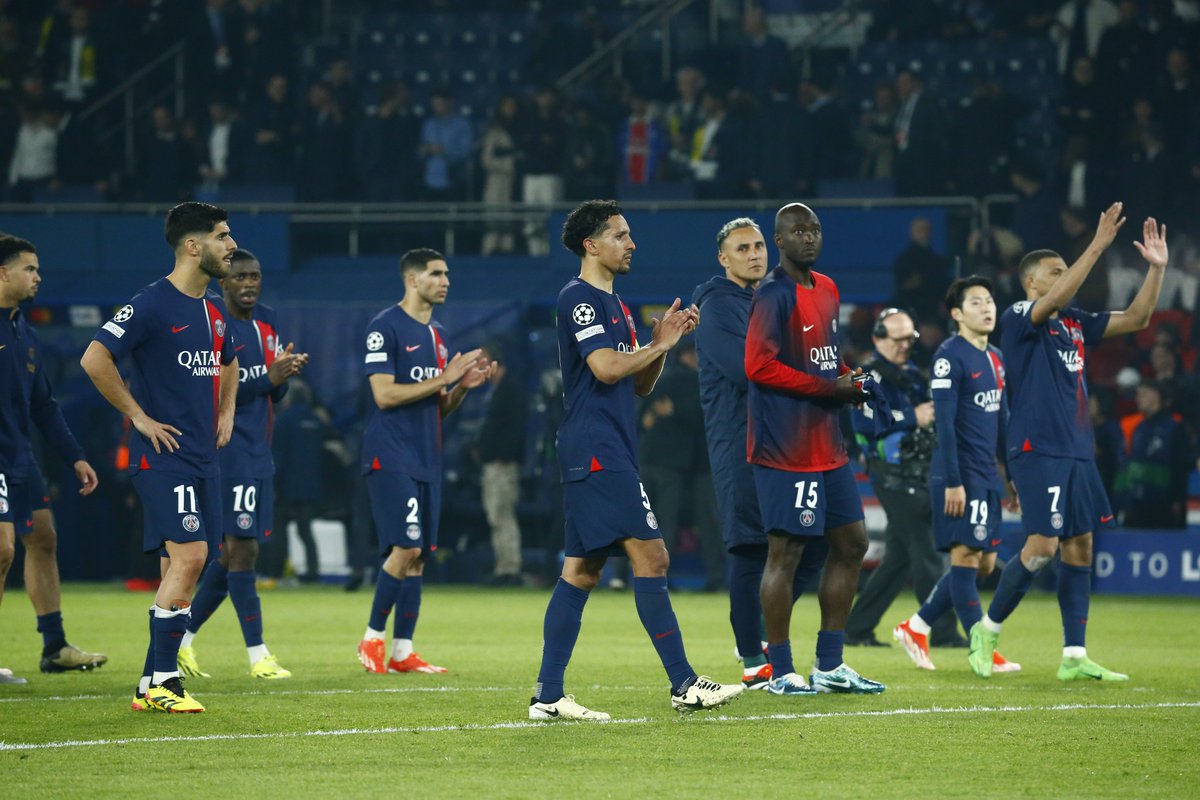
(550, 712)
(995, 542)
(664, 635)
(808, 328)
(615, 320)
(842, 684)
(410, 348)
(1107, 519)
(180, 328)
(238, 349)
(975, 375)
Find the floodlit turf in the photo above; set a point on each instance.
(467, 734)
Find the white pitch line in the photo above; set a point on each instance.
(522, 725)
(324, 692)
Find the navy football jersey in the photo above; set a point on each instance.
(248, 454)
(1048, 391)
(599, 428)
(970, 410)
(178, 344)
(408, 438)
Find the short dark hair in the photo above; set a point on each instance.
(241, 254)
(417, 259)
(735, 225)
(191, 217)
(1031, 260)
(587, 220)
(12, 246)
(958, 290)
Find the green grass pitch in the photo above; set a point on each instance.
(335, 731)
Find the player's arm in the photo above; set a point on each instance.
(645, 364)
(227, 406)
(389, 394)
(475, 376)
(723, 340)
(48, 417)
(945, 390)
(99, 365)
(1010, 488)
(1137, 316)
(1069, 282)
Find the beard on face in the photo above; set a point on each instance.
(211, 264)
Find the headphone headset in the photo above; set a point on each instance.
(880, 330)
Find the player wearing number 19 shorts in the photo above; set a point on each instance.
(1050, 443)
(970, 415)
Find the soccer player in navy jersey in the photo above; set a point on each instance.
(185, 377)
(607, 512)
(415, 383)
(247, 469)
(806, 490)
(724, 300)
(1050, 443)
(24, 506)
(965, 481)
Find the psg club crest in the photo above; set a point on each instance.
(244, 521)
(125, 313)
(807, 517)
(3, 505)
(443, 353)
(1056, 521)
(652, 520)
(583, 314)
(374, 340)
(271, 342)
(191, 523)
(414, 532)
(219, 327)
(980, 532)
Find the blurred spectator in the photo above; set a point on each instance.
(1078, 27)
(73, 61)
(339, 77)
(921, 275)
(228, 145)
(1083, 178)
(875, 135)
(919, 147)
(592, 166)
(781, 152)
(213, 45)
(81, 159)
(1036, 212)
(683, 116)
(385, 151)
(542, 138)
(1161, 455)
(498, 157)
(1178, 103)
(1110, 441)
(1125, 56)
(298, 445)
(266, 31)
(33, 163)
(446, 145)
(501, 452)
(1148, 177)
(1077, 231)
(721, 164)
(272, 127)
(986, 136)
(324, 158)
(763, 59)
(642, 143)
(14, 56)
(1166, 368)
(830, 143)
(166, 162)
(1079, 108)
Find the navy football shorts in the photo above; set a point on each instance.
(603, 509)
(248, 506)
(1061, 497)
(19, 498)
(406, 511)
(979, 526)
(179, 508)
(807, 503)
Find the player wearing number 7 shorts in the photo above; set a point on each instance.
(247, 471)
(1050, 442)
(415, 384)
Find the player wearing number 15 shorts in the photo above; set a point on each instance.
(1050, 443)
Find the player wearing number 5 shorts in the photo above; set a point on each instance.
(247, 470)
(184, 386)
(1050, 443)
(414, 383)
(971, 415)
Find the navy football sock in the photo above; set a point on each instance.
(387, 591)
(214, 587)
(965, 595)
(560, 630)
(148, 669)
(780, 654)
(1015, 581)
(244, 594)
(1074, 598)
(653, 603)
(829, 649)
(50, 626)
(408, 607)
(168, 631)
(939, 600)
(745, 609)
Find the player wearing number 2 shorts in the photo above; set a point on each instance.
(1050, 443)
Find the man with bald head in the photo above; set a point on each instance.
(806, 490)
